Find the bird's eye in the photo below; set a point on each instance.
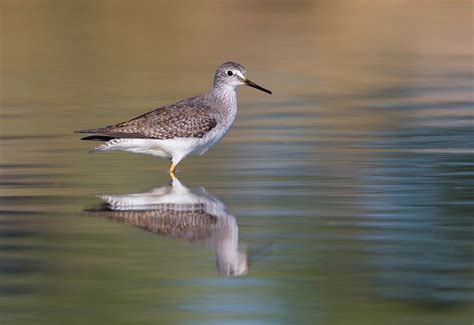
(230, 73)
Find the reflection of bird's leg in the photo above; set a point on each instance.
(171, 171)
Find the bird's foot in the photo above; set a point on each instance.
(171, 171)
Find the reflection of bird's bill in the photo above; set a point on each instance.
(177, 212)
(254, 85)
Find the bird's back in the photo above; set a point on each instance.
(189, 118)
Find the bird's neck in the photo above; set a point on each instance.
(226, 96)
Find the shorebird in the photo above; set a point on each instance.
(189, 126)
(177, 212)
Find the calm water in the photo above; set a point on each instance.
(344, 198)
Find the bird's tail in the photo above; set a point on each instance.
(97, 138)
(102, 147)
(111, 143)
(92, 131)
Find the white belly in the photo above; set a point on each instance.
(176, 149)
(209, 140)
(161, 148)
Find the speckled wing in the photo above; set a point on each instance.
(193, 224)
(189, 118)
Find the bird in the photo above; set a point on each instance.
(189, 126)
(174, 211)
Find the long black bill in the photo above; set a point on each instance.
(254, 85)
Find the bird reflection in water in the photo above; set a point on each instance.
(177, 212)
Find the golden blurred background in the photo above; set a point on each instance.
(356, 172)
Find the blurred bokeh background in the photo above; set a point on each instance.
(352, 185)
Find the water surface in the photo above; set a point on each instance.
(349, 191)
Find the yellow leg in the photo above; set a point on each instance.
(171, 171)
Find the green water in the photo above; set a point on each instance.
(351, 187)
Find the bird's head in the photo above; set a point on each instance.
(232, 74)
